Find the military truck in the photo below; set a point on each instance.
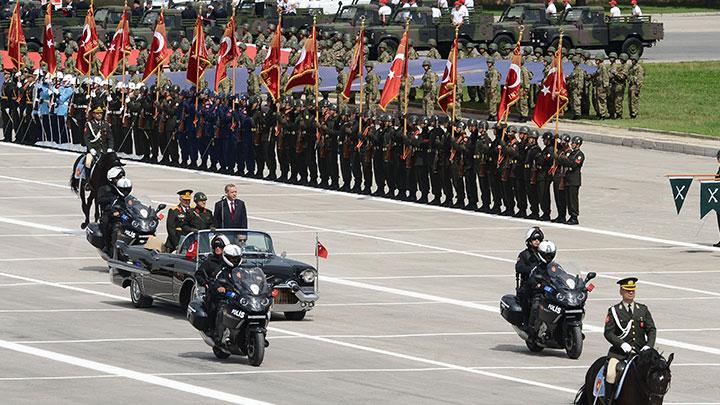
(590, 28)
(529, 15)
(106, 21)
(245, 14)
(33, 30)
(477, 28)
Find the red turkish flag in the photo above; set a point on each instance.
(159, 51)
(229, 52)
(513, 80)
(446, 94)
(398, 70)
(305, 71)
(88, 44)
(270, 73)
(119, 46)
(198, 59)
(553, 96)
(48, 49)
(356, 66)
(321, 251)
(16, 38)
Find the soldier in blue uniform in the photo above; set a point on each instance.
(43, 109)
(62, 100)
(246, 152)
(226, 129)
(186, 132)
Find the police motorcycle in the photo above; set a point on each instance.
(561, 309)
(136, 224)
(242, 315)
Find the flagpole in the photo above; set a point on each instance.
(122, 89)
(197, 65)
(317, 86)
(557, 96)
(361, 62)
(407, 80)
(317, 256)
(454, 66)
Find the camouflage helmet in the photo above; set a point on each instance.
(67, 35)
(599, 56)
(538, 50)
(271, 27)
(348, 45)
(461, 45)
(426, 63)
(490, 60)
(410, 42)
(507, 47)
(612, 55)
(185, 46)
(292, 29)
(258, 29)
(347, 37)
(303, 32)
(245, 26)
(623, 56)
(368, 65)
(548, 59)
(576, 59)
(432, 42)
(528, 50)
(482, 45)
(382, 45)
(551, 49)
(634, 57)
(493, 47)
(586, 54)
(339, 66)
(571, 52)
(471, 45)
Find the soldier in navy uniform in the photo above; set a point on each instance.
(176, 220)
(629, 327)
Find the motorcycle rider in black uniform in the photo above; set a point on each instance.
(205, 277)
(527, 260)
(232, 258)
(546, 252)
(111, 200)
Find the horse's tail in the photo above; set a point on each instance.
(75, 180)
(581, 396)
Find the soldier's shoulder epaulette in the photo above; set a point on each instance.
(641, 306)
(175, 208)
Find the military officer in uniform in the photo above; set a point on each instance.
(198, 218)
(628, 327)
(176, 220)
(97, 133)
(572, 162)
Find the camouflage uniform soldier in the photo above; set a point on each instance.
(184, 43)
(636, 77)
(412, 53)
(69, 66)
(292, 41)
(262, 53)
(385, 56)
(340, 86)
(576, 85)
(587, 91)
(600, 86)
(185, 47)
(461, 51)
(259, 38)
(507, 52)
(433, 53)
(372, 93)
(429, 83)
(618, 78)
(245, 37)
(243, 59)
(471, 51)
(70, 43)
(175, 63)
(492, 86)
(528, 52)
(253, 82)
(524, 101)
(492, 50)
(143, 55)
(327, 55)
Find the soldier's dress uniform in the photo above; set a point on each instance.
(572, 162)
(197, 219)
(97, 134)
(626, 323)
(175, 222)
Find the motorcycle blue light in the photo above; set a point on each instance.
(548, 289)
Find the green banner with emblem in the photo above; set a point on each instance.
(709, 197)
(680, 187)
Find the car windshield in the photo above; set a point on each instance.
(347, 14)
(252, 279)
(573, 15)
(514, 13)
(251, 242)
(149, 18)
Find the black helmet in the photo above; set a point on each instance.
(199, 196)
(124, 186)
(232, 255)
(472, 122)
(460, 125)
(577, 139)
(219, 241)
(565, 138)
(534, 134)
(546, 251)
(524, 130)
(534, 233)
(484, 125)
(547, 136)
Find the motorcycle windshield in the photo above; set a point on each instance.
(250, 279)
(143, 217)
(561, 280)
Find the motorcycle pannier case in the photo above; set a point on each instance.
(511, 310)
(197, 315)
(95, 237)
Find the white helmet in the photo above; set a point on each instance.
(115, 173)
(546, 251)
(124, 186)
(232, 255)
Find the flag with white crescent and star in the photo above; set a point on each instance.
(48, 49)
(16, 37)
(446, 94)
(119, 46)
(356, 66)
(229, 52)
(198, 59)
(88, 43)
(398, 70)
(159, 51)
(511, 90)
(553, 87)
(305, 71)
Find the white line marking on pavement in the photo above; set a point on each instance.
(35, 235)
(508, 276)
(69, 377)
(36, 198)
(49, 259)
(353, 211)
(35, 225)
(133, 375)
(371, 304)
(425, 361)
(42, 183)
(115, 340)
(25, 311)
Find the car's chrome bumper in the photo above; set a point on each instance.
(287, 300)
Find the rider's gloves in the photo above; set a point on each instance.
(626, 347)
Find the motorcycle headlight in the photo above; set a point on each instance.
(243, 301)
(153, 224)
(265, 301)
(560, 296)
(308, 276)
(135, 224)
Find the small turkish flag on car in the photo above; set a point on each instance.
(321, 251)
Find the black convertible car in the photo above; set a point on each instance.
(169, 277)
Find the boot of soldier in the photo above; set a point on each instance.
(572, 221)
(545, 217)
(423, 199)
(471, 207)
(559, 220)
(609, 393)
(495, 210)
(435, 201)
(520, 214)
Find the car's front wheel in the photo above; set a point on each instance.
(136, 295)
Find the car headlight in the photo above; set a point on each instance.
(308, 275)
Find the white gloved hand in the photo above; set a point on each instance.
(93, 151)
(644, 348)
(109, 150)
(92, 94)
(109, 98)
(626, 347)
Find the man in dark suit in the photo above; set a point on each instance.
(229, 211)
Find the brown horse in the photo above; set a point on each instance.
(646, 383)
